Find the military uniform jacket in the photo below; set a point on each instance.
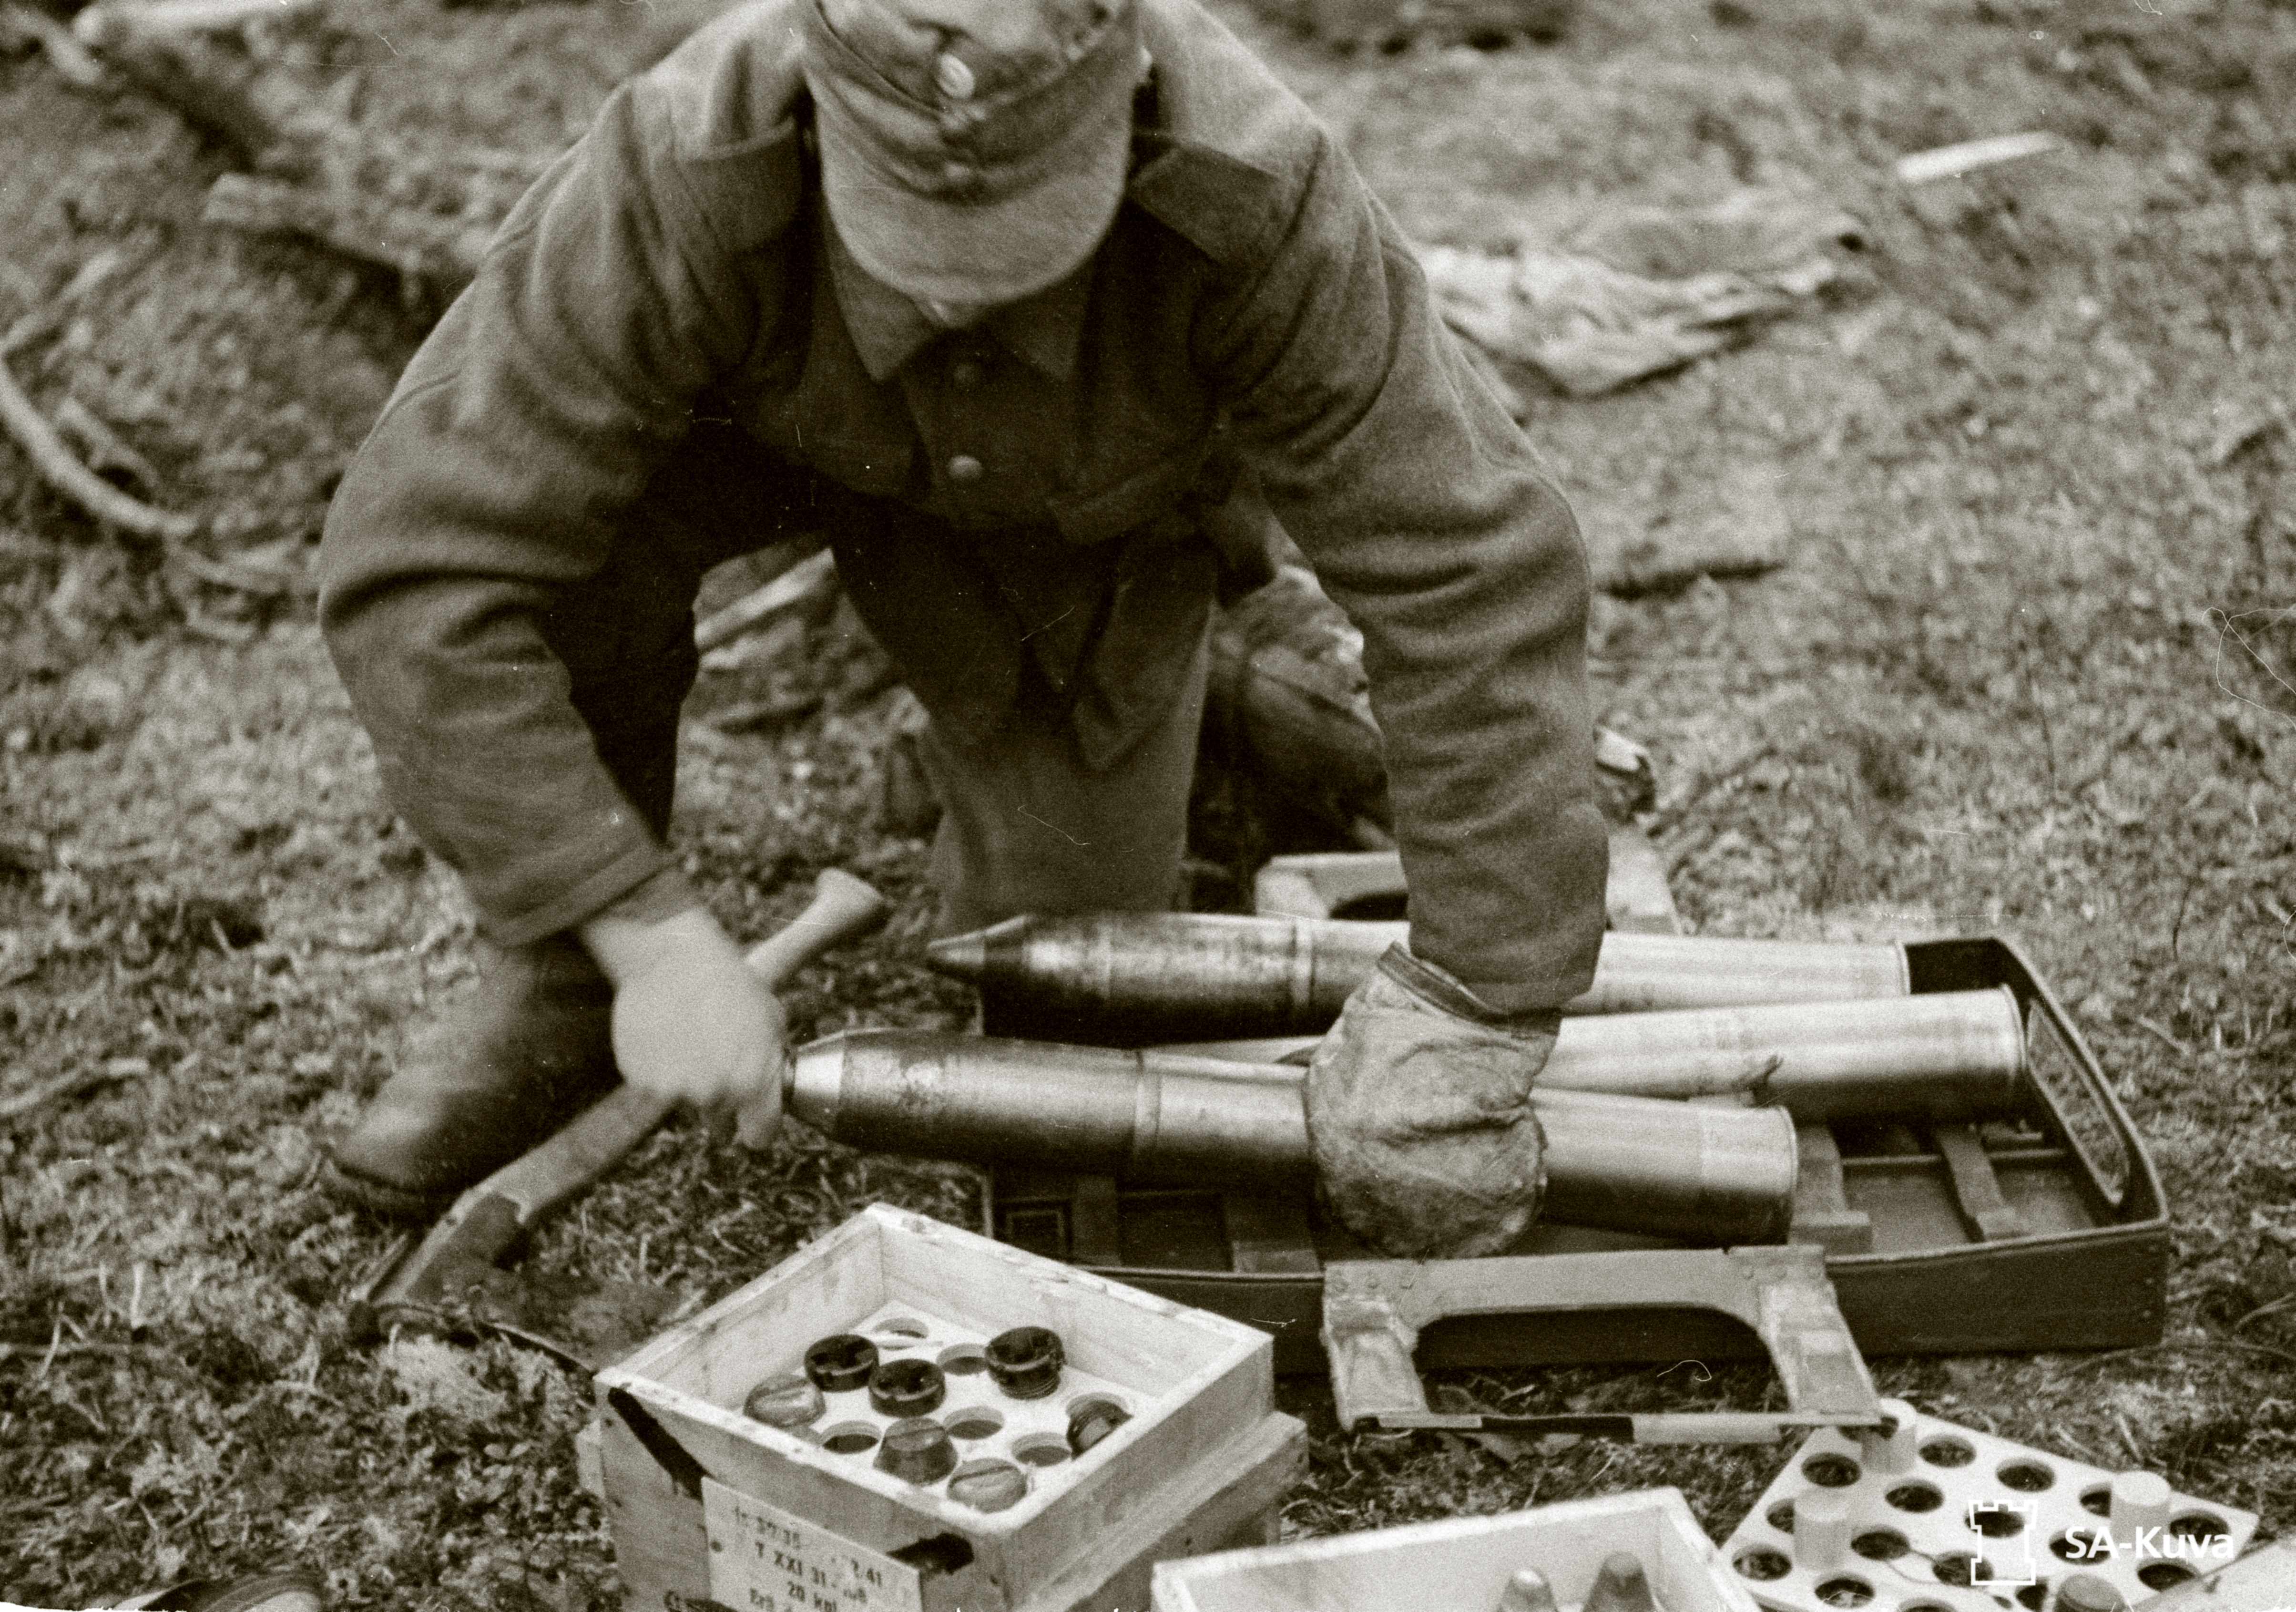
(675, 266)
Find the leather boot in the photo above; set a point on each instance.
(501, 1068)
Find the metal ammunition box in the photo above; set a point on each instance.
(2046, 1232)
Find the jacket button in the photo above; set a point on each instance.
(965, 375)
(965, 470)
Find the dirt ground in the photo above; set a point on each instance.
(2031, 670)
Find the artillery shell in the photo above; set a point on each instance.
(988, 1484)
(906, 1388)
(1688, 1171)
(1620, 1586)
(1025, 1361)
(1132, 978)
(787, 1399)
(2089, 1592)
(917, 1451)
(1527, 1591)
(1091, 1420)
(841, 1363)
(1950, 1057)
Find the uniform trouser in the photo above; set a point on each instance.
(1027, 825)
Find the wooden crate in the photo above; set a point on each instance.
(708, 1505)
(1465, 1562)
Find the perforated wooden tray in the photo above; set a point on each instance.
(1947, 1518)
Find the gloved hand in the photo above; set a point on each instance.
(692, 1023)
(1419, 1113)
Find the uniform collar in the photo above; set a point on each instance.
(1044, 331)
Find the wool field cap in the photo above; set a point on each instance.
(972, 150)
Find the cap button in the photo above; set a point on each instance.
(953, 78)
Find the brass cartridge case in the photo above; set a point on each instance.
(1946, 1056)
(1688, 1171)
(1693, 1172)
(1950, 1057)
(1134, 978)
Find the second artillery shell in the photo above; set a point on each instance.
(1135, 977)
(1527, 1591)
(787, 1399)
(1949, 1056)
(1687, 1170)
(1621, 1586)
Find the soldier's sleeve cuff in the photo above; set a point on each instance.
(1442, 989)
(664, 895)
(644, 874)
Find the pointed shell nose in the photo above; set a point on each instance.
(963, 957)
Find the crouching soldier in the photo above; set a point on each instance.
(996, 293)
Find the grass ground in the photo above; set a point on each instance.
(2030, 670)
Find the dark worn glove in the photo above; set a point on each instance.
(1419, 1112)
